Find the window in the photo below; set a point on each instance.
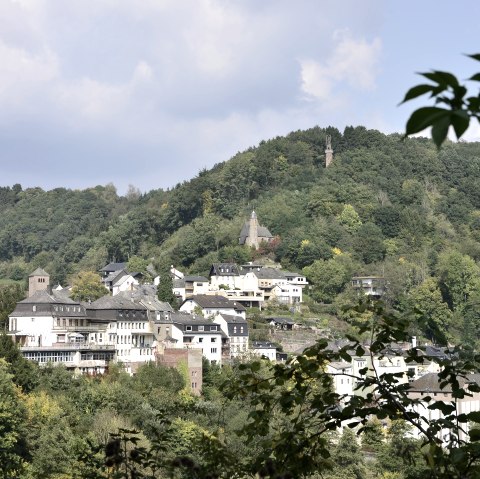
(213, 328)
(188, 328)
(201, 328)
(213, 340)
(213, 350)
(200, 340)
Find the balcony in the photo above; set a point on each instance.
(92, 328)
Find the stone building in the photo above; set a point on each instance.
(253, 233)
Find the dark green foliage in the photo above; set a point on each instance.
(24, 373)
(9, 296)
(164, 289)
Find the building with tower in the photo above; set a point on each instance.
(253, 233)
(39, 280)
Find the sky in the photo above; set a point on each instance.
(149, 92)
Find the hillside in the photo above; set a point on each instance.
(397, 208)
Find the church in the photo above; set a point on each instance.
(253, 234)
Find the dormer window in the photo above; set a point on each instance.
(34, 307)
(188, 328)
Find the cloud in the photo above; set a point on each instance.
(353, 61)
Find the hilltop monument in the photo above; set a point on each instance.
(328, 151)
(253, 234)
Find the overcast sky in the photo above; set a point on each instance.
(149, 92)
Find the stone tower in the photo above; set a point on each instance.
(252, 239)
(328, 151)
(39, 280)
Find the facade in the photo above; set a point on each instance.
(192, 359)
(369, 285)
(186, 331)
(265, 349)
(253, 234)
(50, 327)
(236, 329)
(188, 286)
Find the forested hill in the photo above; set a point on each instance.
(383, 202)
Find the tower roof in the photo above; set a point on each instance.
(39, 272)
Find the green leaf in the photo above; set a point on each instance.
(417, 91)
(440, 129)
(475, 56)
(423, 118)
(474, 434)
(460, 121)
(475, 77)
(474, 416)
(442, 78)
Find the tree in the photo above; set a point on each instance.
(328, 278)
(447, 91)
(165, 288)
(87, 286)
(9, 296)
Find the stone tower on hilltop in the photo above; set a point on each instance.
(39, 280)
(328, 151)
(253, 234)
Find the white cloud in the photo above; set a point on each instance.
(354, 62)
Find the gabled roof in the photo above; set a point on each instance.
(39, 272)
(197, 279)
(230, 319)
(178, 283)
(225, 269)
(263, 345)
(431, 383)
(115, 302)
(43, 297)
(215, 301)
(269, 273)
(145, 295)
(282, 320)
(113, 267)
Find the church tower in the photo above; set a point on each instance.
(252, 239)
(328, 151)
(39, 280)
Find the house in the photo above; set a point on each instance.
(253, 234)
(111, 268)
(341, 373)
(225, 276)
(185, 330)
(49, 327)
(430, 386)
(190, 285)
(281, 323)
(370, 285)
(121, 280)
(236, 329)
(277, 286)
(212, 304)
(265, 349)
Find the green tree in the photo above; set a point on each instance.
(328, 278)
(87, 286)
(12, 426)
(350, 219)
(165, 288)
(435, 316)
(9, 296)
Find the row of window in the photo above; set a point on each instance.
(63, 322)
(128, 352)
(212, 327)
(73, 309)
(107, 356)
(129, 325)
(49, 356)
(132, 314)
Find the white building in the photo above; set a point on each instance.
(264, 349)
(236, 329)
(210, 305)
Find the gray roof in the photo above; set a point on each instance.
(262, 232)
(146, 296)
(44, 297)
(263, 345)
(115, 302)
(269, 273)
(215, 301)
(39, 272)
(225, 269)
(430, 383)
(282, 320)
(114, 267)
(198, 279)
(230, 319)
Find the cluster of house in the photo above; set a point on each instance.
(132, 327)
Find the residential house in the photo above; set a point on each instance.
(189, 286)
(373, 286)
(49, 327)
(286, 324)
(184, 330)
(264, 349)
(212, 304)
(236, 330)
